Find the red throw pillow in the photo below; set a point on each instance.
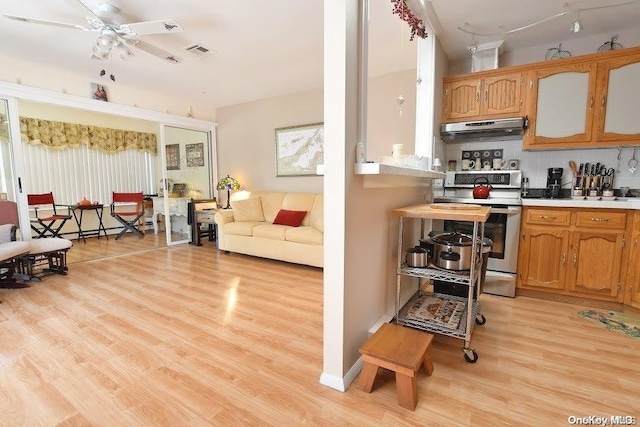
(292, 218)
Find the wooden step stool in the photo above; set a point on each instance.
(401, 350)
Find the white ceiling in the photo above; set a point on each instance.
(267, 48)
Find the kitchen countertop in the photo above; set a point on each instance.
(629, 203)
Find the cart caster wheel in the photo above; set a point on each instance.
(470, 355)
(480, 319)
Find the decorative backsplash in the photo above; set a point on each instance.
(534, 164)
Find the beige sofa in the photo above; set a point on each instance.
(248, 228)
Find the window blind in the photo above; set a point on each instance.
(80, 172)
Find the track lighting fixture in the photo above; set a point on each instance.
(577, 25)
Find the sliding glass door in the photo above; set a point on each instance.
(188, 172)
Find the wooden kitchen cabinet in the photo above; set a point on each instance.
(632, 280)
(542, 259)
(618, 86)
(561, 101)
(595, 258)
(581, 257)
(585, 103)
(491, 97)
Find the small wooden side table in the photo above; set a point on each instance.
(401, 350)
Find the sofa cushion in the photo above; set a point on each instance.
(316, 214)
(290, 218)
(270, 231)
(308, 235)
(299, 202)
(241, 228)
(271, 204)
(247, 210)
(50, 244)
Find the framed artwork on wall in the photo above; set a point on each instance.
(195, 155)
(99, 92)
(173, 157)
(299, 149)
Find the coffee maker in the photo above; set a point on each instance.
(554, 183)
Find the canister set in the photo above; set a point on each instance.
(592, 180)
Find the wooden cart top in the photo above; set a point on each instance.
(454, 211)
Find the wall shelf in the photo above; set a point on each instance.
(381, 175)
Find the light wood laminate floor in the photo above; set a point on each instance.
(187, 336)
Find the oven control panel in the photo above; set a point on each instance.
(497, 179)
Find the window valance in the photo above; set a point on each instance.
(61, 135)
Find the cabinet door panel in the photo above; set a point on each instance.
(595, 263)
(463, 99)
(545, 259)
(561, 106)
(559, 115)
(502, 95)
(632, 281)
(617, 100)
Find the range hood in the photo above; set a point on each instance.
(484, 130)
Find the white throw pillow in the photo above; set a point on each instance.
(5, 233)
(247, 210)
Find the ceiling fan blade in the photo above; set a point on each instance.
(155, 51)
(152, 27)
(51, 23)
(83, 9)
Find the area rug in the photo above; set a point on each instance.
(437, 310)
(614, 321)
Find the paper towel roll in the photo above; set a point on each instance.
(397, 150)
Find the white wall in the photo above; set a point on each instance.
(246, 140)
(40, 76)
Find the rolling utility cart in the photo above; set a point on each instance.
(448, 314)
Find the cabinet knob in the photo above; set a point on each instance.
(477, 96)
(563, 260)
(575, 260)
(604, 102)
(591, 103)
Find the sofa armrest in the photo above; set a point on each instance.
(223, 216)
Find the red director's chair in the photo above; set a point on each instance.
(50, 225)
(124, 214)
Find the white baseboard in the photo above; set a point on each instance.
(341, 384)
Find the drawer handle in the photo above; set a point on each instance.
(548, 217)
(563, 261)
(600, 219)
(575, 260)
(591, 103)
(604, 102)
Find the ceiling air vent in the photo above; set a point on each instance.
(199, 50)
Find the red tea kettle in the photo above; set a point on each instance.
(481, 188)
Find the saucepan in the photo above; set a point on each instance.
(417, 257)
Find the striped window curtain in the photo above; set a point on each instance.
(80, 172)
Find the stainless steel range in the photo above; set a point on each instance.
(502, 227)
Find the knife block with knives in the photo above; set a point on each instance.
(592, 179)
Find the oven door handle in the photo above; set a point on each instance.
(507, 211)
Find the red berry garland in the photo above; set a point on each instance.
(401, 9)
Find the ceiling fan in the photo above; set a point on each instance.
(113, 34)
